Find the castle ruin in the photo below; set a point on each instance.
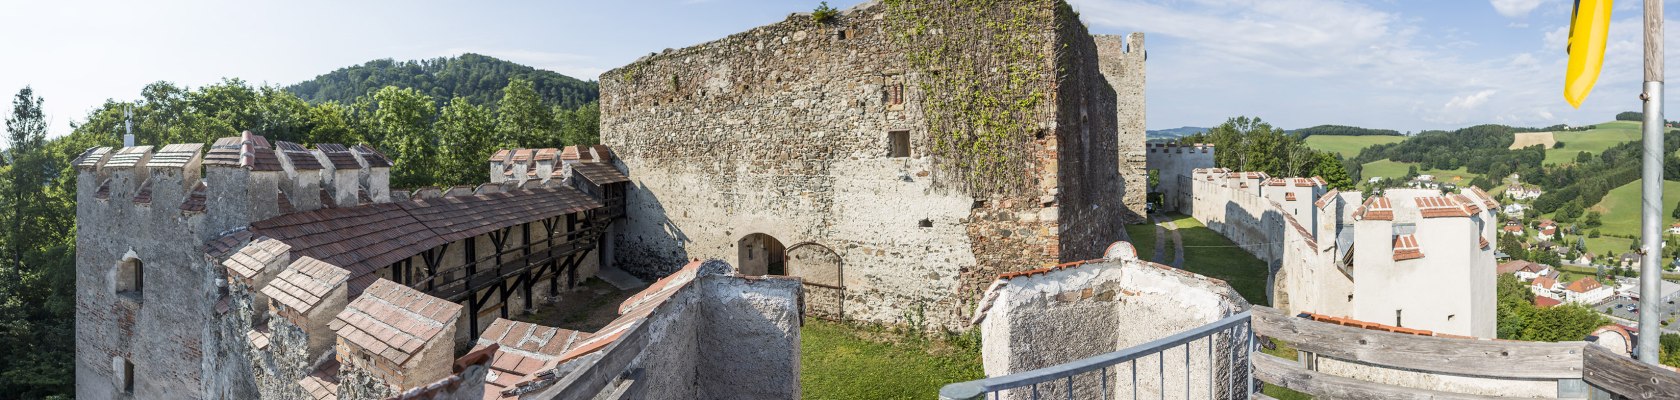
(895, 157)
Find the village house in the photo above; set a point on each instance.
(1515, 210)
(1547, 230)
(1525, 270)
(1523, 192)
(1512, 229)
(1546, 286)
(1588, 291)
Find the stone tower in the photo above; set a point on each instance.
(1122, 63)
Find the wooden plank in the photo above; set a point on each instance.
(1627, 377)
(1285, 373)
(1468, 357)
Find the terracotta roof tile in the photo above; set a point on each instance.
(1546, 302)
(1583, 285)
(395, 321)
(600, 173)
(1326, 198)
(373, 157)
(501, 155)
(545, 154)
(1366, 325)
(175, 155)
(195, 200)
(1406, 248)
(303, 284)
(1376, 208)
(1289, 196)
(224, 151)
(227, 244)
(1487, 201)
(339, 156)
(104, 192)
(601, 152)
(251, 259)
(522, 156)
(1545, 282)
(367, 237)
(299, 156)
(128, 157)
(144, 195)
(92, 157)
(1440, 206)
(1310, 182)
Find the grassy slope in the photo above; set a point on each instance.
(1348, 146)
(1396, 170)
(1143, 238)
(1621, 207)
(843, 361)
(1601, 137)
(1227, 262)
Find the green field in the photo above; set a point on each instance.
(1210, 254)
(1606, 246)
(846, 361)
(1621, 207)
(1601, 137)
(1348, 146)
(1396, 170)
(1143, 238)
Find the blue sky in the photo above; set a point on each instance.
(1399, 64)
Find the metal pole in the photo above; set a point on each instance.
(1650, 268)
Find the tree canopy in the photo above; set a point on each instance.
(1250, 144)
(477, 78)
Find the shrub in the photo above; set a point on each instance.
(824, 13)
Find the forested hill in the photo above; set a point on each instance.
(1340, 130)
(477, 78)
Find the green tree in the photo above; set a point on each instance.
(1593, 220)
(1561, 323)
(37, 296)
(402, 124)
(579, 126)
(1514, 302)
(522, 120)
(464, 133)
(1331, 169)
(1569, 211)
(1669, 353)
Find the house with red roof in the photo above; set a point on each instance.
(1587, 290)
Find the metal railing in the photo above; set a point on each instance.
(1238, 380)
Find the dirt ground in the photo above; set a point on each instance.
(588, 308)
(1534, 138)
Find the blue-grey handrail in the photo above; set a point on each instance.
(975, 388)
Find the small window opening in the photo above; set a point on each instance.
(842, 34)
(131, 277)
(1450, 316)
(127, 377)
(925, 223)
(1397, 319)
(895, 94)
(899, 143)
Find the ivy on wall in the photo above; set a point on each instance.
(983, 72)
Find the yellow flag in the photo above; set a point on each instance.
(1589, 28)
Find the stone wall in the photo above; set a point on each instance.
(723, 336)
(1054, 316)
(1122, 60)
(789, 130)
(1174, 166)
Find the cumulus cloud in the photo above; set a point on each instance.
(1471, 101)
(1515, 8)
(1309, 62)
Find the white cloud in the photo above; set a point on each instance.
(1515, 8)
(1471, 101)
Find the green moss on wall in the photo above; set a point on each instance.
(984, 74)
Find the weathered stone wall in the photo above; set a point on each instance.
(1090, 193)
(1122, 62)
(1069, 313)
(1175, 166)
(165, 330)
(722, 337)
(788, 130)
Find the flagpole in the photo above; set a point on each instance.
(1650, 268)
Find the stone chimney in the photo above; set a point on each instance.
(376, 172)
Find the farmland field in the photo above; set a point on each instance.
(1348, 146)
(1526, 139)
(1601, 137)
(1621, 208)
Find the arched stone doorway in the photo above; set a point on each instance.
(760, 254)
(824, 275)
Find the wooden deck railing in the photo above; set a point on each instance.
(1578, 367)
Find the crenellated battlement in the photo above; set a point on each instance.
(270, 180)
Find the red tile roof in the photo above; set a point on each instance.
(339, 156)
(1376, 208)
(144, 195)
(1545, 302)
(600, 173)
(1406, 248)
(1365, 325)
(1437, 207)
(374, 158)
(1326, 198)
(250, 260)
(545, 154)
(366, 237)
(305, 283)
(1584, 285)
(1289, 196)
(1545, 282)
(395, 322)
(1487, 201)
(1310, 182)
(300, 156)
(195, 200)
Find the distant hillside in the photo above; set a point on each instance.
(1340, 130)
(477, 78)
(1174, 132)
